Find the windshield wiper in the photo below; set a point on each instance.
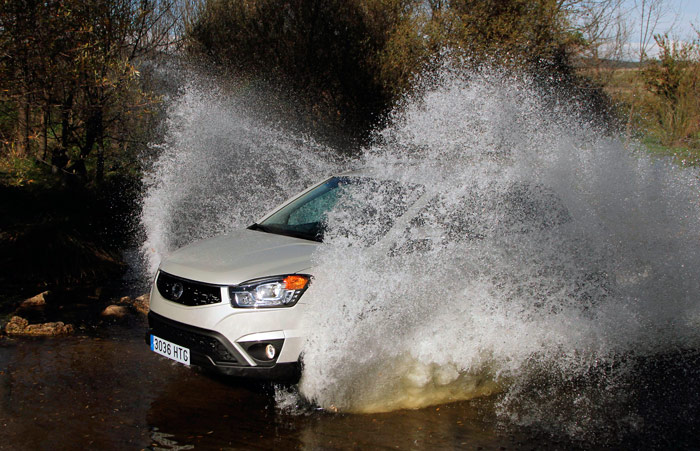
(285, 232)
(262, 228)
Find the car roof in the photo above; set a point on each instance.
(385, 173)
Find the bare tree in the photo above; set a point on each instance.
(603, 26)
(648, 15)
(69, 69)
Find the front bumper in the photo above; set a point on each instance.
(212, 350)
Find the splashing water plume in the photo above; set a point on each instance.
(220, 168)
(547, 249)
(544, 261)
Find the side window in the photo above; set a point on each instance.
(315, 210)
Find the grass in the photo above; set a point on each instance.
(682, 155)
(649, 116)
(17, 170)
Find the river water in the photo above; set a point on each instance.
(109, 391)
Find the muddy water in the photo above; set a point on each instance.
(111, 392)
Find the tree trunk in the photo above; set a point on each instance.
(24, 124)
(99, 140)
(100, 170)
(45, 118)
(65, 121)
(59, 156)
(94, 134)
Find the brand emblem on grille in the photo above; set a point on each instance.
(177, 290)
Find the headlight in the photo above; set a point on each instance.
(280, 291)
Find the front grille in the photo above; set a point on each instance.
(199, 341)
(187, 292)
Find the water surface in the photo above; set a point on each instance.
(112, 392)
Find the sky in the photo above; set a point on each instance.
(678, 21)
(688, 12)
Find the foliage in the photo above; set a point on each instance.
(517, 29)
(70, 84)
(660, 100)
(673, 113)
(354, 58)
(73, 97)
(322, 49)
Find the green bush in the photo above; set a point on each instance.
(672, 112)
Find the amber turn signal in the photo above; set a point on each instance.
(295, 282)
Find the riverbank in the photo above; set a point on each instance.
(59, 314)
(60, 236)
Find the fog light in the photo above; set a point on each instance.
(270, 352)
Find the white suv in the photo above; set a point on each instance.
(235, 303)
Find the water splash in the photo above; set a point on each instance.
(548, 256)
(221, 166)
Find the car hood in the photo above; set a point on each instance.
(240, 256)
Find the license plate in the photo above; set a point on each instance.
(170, 350)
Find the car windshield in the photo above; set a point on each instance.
(307, 216)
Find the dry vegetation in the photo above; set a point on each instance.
(659, 100)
